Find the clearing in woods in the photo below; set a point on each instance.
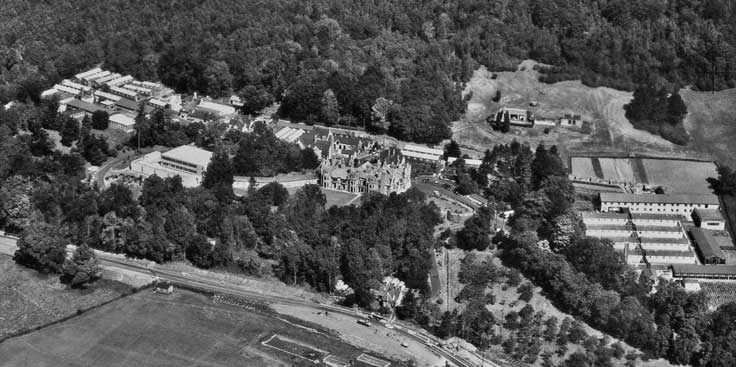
(710, 120)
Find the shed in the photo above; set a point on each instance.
(708, 248)
(709, 219)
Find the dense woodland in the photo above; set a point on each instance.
(386, 65)
(391, 66)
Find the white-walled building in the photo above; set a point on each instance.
(218, 109)
(186, 161)
(122, 122)
(661, 236)
(658, 204)
(421, 153)
(709, 219)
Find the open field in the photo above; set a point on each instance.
(680, 176)
(709, 120)
(338, 198)
(676, 176)
(182, 329)
(28, 299)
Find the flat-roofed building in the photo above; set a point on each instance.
(122, 122)
(218, 109)
(683, 204)
(186, 161)
(707, 246)
(709, 219)
(187, 158)
(704, 271)
(420, 153)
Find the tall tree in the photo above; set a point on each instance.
(82, 269)
(42, 247)
(330, 108)
(219, 171)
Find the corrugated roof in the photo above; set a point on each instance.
(663, 199)
(706, 243)
(190, 154)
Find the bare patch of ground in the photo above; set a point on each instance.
(602, 107)
(711, 122)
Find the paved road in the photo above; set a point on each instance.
(100, 175)
(7, 245)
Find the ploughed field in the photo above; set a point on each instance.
(181, 329)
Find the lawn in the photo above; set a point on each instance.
(680, 177)
(182, 329)
(28, 299)
(337, 198)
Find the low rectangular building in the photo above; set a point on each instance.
(421, 153)
(122, 122)
(659, 204)
(216, 108)
(704, 271)
(87, 73)
(707, 247)
(709, 219)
